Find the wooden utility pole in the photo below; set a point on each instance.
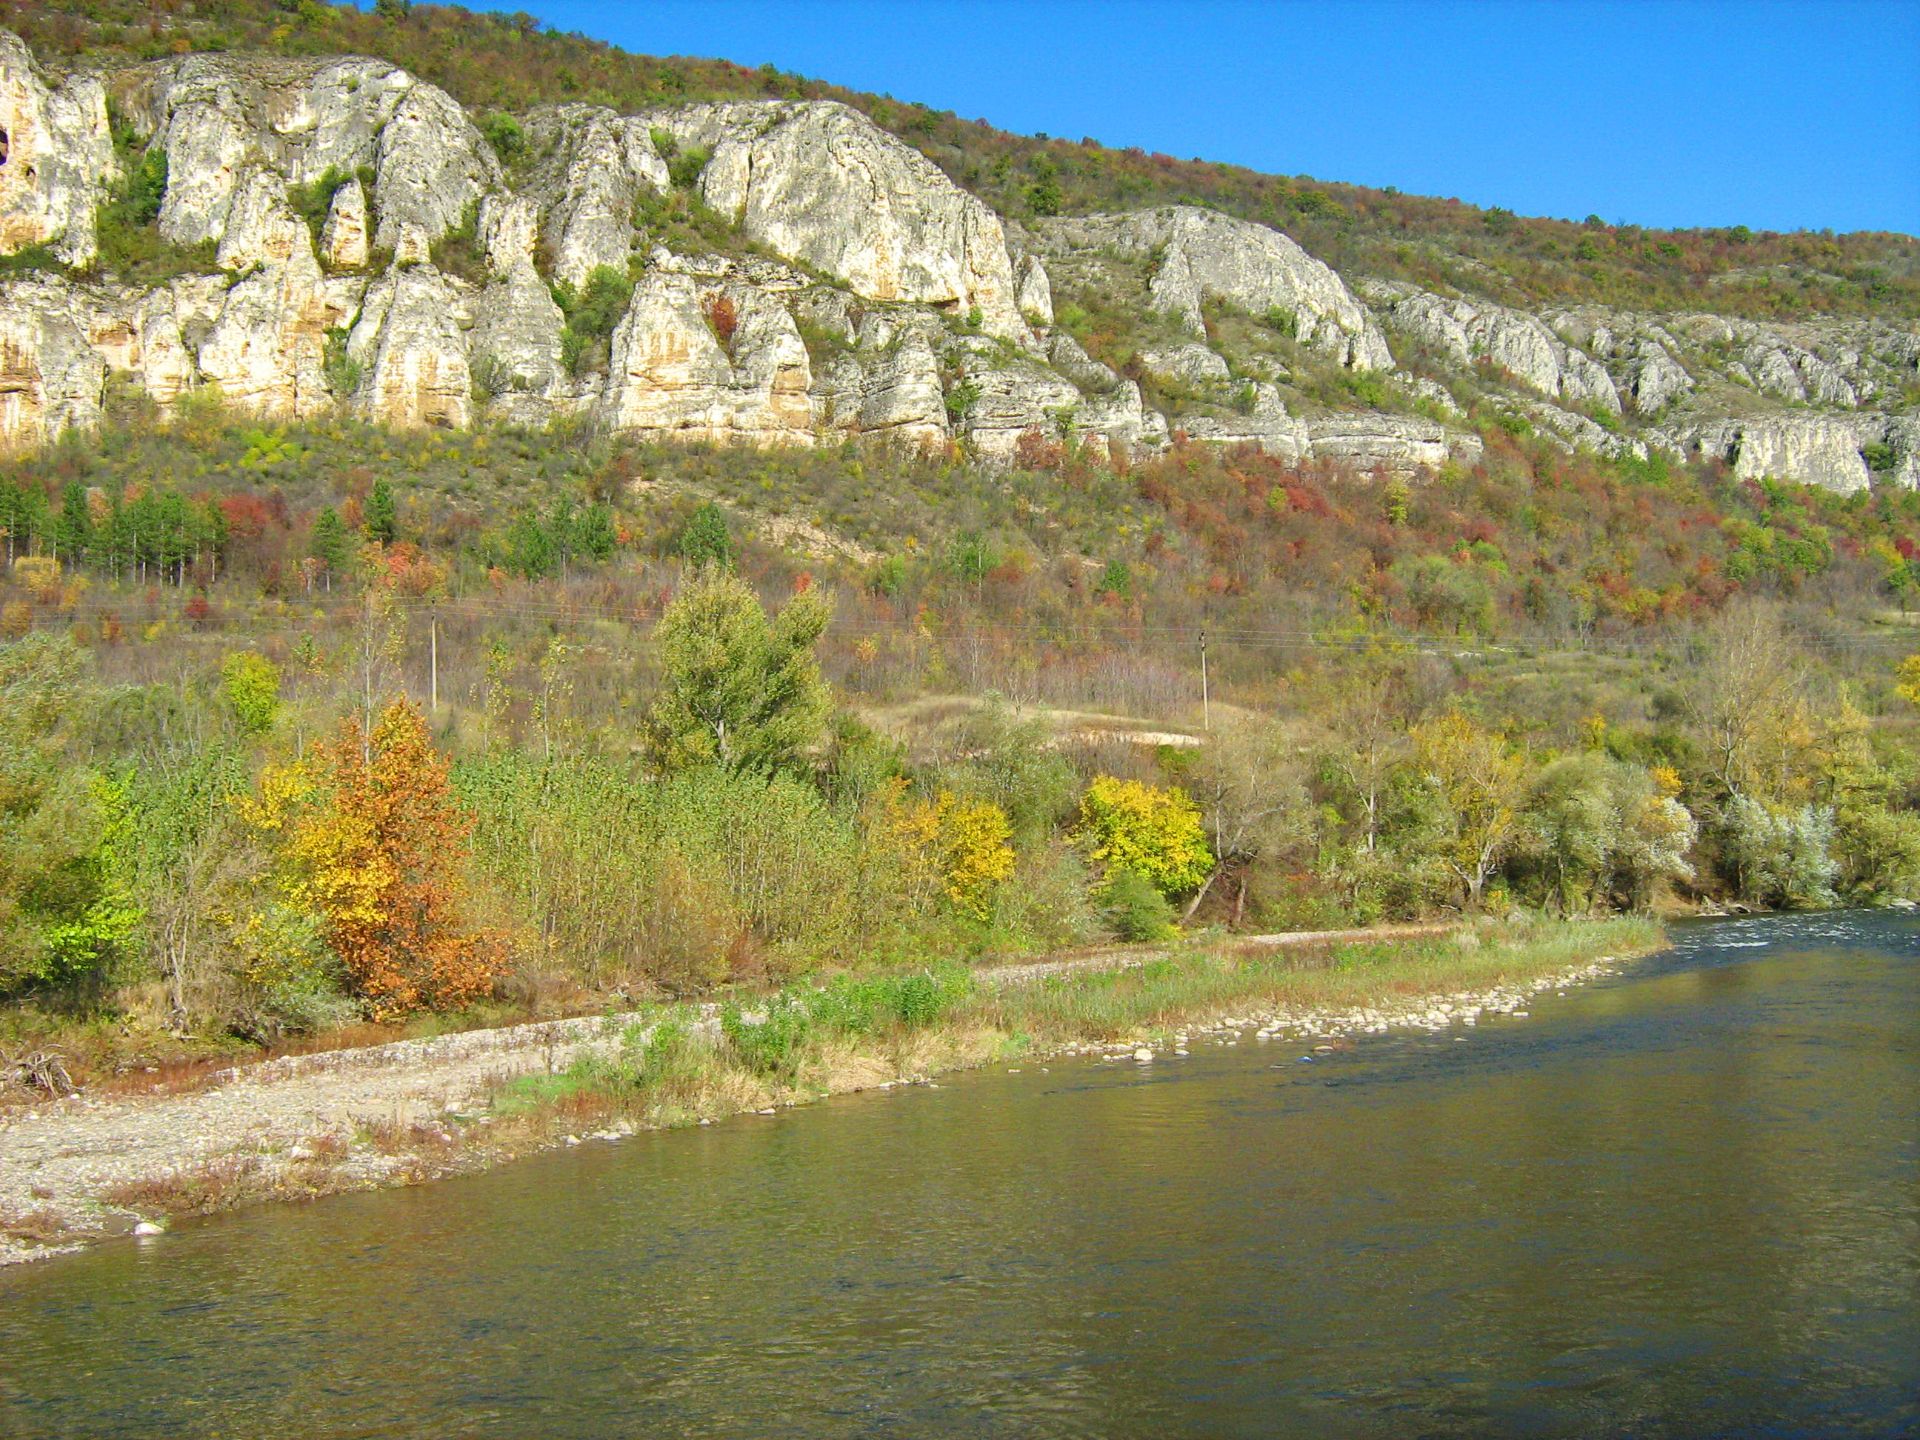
(1206, 703)
(433, 650)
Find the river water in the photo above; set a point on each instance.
(1685, 1201)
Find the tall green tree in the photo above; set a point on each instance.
(328, 544)
(383, 516)
(73, 533)
(740, 689)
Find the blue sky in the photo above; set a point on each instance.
(1773, 115)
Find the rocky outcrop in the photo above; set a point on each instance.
(367, 250)
(682, 371)
(56, 157)
(821, 185)
(50, 376)
(1266, 424)
(1011, 397)
(886, 385)
(1639, 352)
(1810, 449)
(1034, 291)
(1509, 341)
(345, 241)
(1189, 364)
(410, 346)
(1199, 255)
(266, 351)
(596, 165)
(1399, 444)
(221, 118)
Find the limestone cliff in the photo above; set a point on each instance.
(347, 239)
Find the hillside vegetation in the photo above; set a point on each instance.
(308, 727)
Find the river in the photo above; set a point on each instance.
(1683, 1201)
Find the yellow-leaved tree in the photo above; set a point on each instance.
(1481, 782)
(961, 843)
(1145, 830)
(370, 840)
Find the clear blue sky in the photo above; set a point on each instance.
(1773, 115)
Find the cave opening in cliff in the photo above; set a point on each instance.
(4, 143)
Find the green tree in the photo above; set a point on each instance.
(250, 684)
(383, 517)
(706, 539)
(73, 534)
(329, 546)
(66, 911)
(594, 533)
(739, 689)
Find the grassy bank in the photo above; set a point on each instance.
(805, 1043)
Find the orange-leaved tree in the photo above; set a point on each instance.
(373, 842)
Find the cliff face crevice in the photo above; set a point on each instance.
(799, 275)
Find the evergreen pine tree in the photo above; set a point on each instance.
(383, 519)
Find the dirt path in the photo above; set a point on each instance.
(304, 1123)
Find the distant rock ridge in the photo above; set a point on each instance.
(369, 252)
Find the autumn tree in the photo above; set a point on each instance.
(739, 689)
(373, 842)
(1145, 830)
(962, 844)
(1480, 781)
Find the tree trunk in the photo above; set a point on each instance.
(1201, 894)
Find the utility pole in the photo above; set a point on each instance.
(433, 649)
(1206, 704)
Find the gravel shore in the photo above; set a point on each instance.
(81, 1168)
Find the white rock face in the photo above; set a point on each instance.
(822, 185)
(267, 349)
(412, 352)
(262, 229)
(1580, 432)
(1638, 351)
(1510, 340)
(1809, 449)
(1400, 444)
(56, 157)
(515, 352)
(1015, 397)
(1203, 255)
(222, 117)
(50, 376)
(595, 165)
(887, 385)
(1266, 424)
(344, 242)
(1034, 291)
(1189, 364)
(673, 377)
(887, 263)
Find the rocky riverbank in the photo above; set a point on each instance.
(84, 1168)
